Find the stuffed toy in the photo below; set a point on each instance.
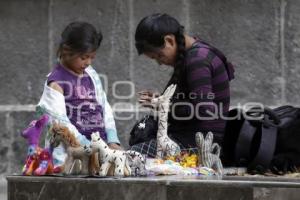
(38, 161)
(88, 158)
(165, 145)
(110, 158)
(117, 162)
(137, 163)
(209, 152)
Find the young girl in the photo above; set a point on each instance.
(73, 93)
(202, 75)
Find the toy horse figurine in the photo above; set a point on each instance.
(38, 161)
(209, 152)
(89, 162)
(165, 145)
(117, 162)
(110, 158)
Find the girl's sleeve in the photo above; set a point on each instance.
(109, 121)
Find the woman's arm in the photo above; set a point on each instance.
(199, 82)
(199, 96)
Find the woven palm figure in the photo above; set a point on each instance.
(209, 152)
(165, 145)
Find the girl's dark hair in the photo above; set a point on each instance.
(79, 38)
(149, 37)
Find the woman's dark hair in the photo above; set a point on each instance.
(150, 33)
(79, 38)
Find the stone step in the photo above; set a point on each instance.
(3, 189)
(153, 188)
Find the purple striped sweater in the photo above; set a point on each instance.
(202, 97)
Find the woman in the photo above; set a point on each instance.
(202, 75)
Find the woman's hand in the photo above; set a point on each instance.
(145, 98)
(115, 146)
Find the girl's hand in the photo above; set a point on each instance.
(115, 146)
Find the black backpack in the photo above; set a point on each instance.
(270, 142)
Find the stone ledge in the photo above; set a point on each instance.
(160, 188)
(3, 189)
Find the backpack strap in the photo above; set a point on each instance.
(244, 143)
(266, 149)
(267, 127)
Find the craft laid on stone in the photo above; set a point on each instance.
(156, 166)
(185, 159)
(209, 152)
(165, 145)
(110, 158)
(39, 160)
(117, 162)
(81, 160)
(99, 159)
(137, 163)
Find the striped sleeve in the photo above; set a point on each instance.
(199, 82)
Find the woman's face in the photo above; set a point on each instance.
(167, 54)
